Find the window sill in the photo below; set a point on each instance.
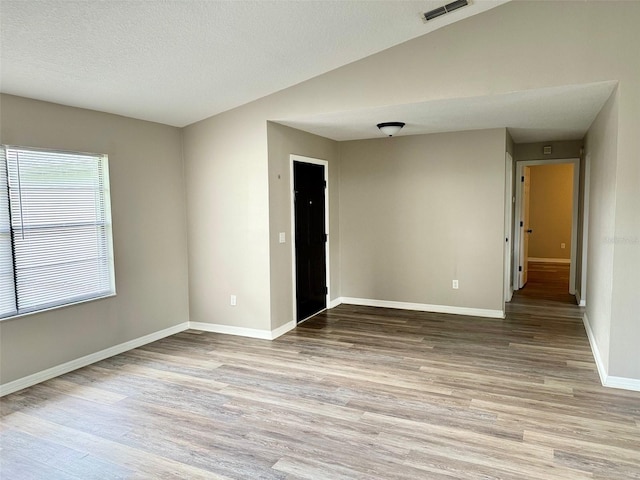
(57, 307)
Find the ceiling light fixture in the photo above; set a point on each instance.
(390, 128)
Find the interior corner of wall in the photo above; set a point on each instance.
(601, 365)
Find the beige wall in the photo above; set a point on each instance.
(226, 174)
(625, 313)
(499, 51)
(614, 238)
(228, 189)
(559, 150)
(551, 210)
(148, 213)
(284, 141)
(601, 150)
(510, 146)
(418, 212)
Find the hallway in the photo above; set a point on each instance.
(545, 301)
(548, 284)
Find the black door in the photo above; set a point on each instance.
(311, 283)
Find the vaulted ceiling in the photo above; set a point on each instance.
(179, 61)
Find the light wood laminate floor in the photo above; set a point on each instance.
(353, 393)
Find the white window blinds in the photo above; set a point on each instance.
(7, 287)
(60, 245)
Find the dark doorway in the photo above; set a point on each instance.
(311, 278)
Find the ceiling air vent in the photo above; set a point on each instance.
(449, 7)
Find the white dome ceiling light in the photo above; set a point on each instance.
(390, 128)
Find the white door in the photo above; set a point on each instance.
(525, 228)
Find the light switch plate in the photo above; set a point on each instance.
(283, 237)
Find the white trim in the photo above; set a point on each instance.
(606, 379)
(574, 226)
(243, 331)
(424, 307)
(30, 380)
(579, 300)
(57, 307)
(549, 260)
(508, 226)
(623, 383)
(282, 329)
(520, 164)
(602, 371)
(325, 164)
(334, 303)
(67, 367)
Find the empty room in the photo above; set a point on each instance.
(319, 239)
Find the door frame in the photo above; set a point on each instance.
(508, 226)
(524, 212)
(520, 164)
(324, 163)
(582, 293)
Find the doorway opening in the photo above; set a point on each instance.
(546, 230)
(309, 236)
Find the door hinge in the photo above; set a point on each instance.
(325, 236)
(326, 290)
(519, 269)
(324, 183)
(522, 178)
(521, 224)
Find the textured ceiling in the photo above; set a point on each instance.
(558, 113)
(177, 62)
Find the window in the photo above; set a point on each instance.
(55, 229)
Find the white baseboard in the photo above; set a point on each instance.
(623, 383)
(606, 379)
(549, 260)
(283, 329)
(602, 371)
(230, 330)
(21, 383)
(581, 302)
(423, 307)
(334, 303)
(67, 367)
(243, 331)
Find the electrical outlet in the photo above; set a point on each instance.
(233, 301)
(455, 284)
(562, 245)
